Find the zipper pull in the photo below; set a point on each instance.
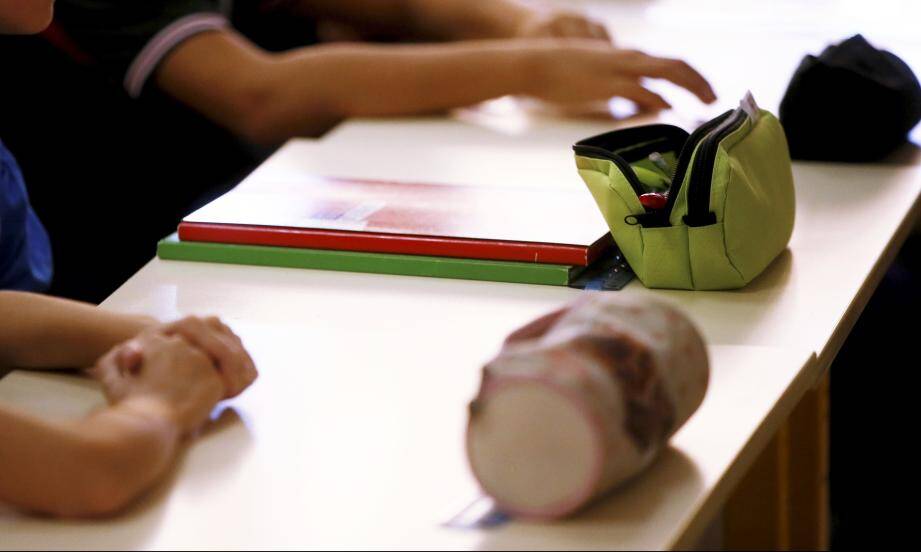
(649, 219)
(655, 215)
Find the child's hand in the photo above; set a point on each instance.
(557, 23)
(167, 369)
(234, 365)
(573, 72)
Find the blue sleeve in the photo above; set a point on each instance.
(25, 252)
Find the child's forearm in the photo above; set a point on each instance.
(268, 98)
(37, 331)
(363, 80)
(90, 468)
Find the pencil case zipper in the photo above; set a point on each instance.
(705, 142)
(698, 196)
(661, 218)
(623, 166)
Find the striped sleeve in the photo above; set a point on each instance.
(128, 39)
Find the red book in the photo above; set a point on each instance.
(479, 222)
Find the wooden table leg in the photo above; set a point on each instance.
(782, 503)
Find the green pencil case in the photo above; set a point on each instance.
(730, 203)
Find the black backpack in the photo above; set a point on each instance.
(852, 103)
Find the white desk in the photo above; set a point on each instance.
(339, 446)
(850, 219)
(353, 435)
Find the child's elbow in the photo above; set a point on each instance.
(257, 126)
(268, 116)
(267, 125)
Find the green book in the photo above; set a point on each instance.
(380, 263)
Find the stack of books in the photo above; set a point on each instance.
(503, 234)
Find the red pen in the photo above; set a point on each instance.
(654, 200)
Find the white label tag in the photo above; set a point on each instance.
(750, 107)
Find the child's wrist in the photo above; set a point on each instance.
(141, 322)
(528, 68)
(115, 327)
(130, 326)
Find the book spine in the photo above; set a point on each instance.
(438, 267)
(371, 242)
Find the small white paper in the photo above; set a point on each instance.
(480, 514)
(750, 107)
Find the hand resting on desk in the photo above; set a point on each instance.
(162, 385)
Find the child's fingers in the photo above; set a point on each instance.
(592, 29)
(102, 366)
(249, 372)
(218, 324)
(197, 333)
(682, 74)
(107, 372)
(574, 25)
(129, 357)
(674, 70)
(599, 31)
(242, 373)
(223, 351)
(645, 99)
(239, 375)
